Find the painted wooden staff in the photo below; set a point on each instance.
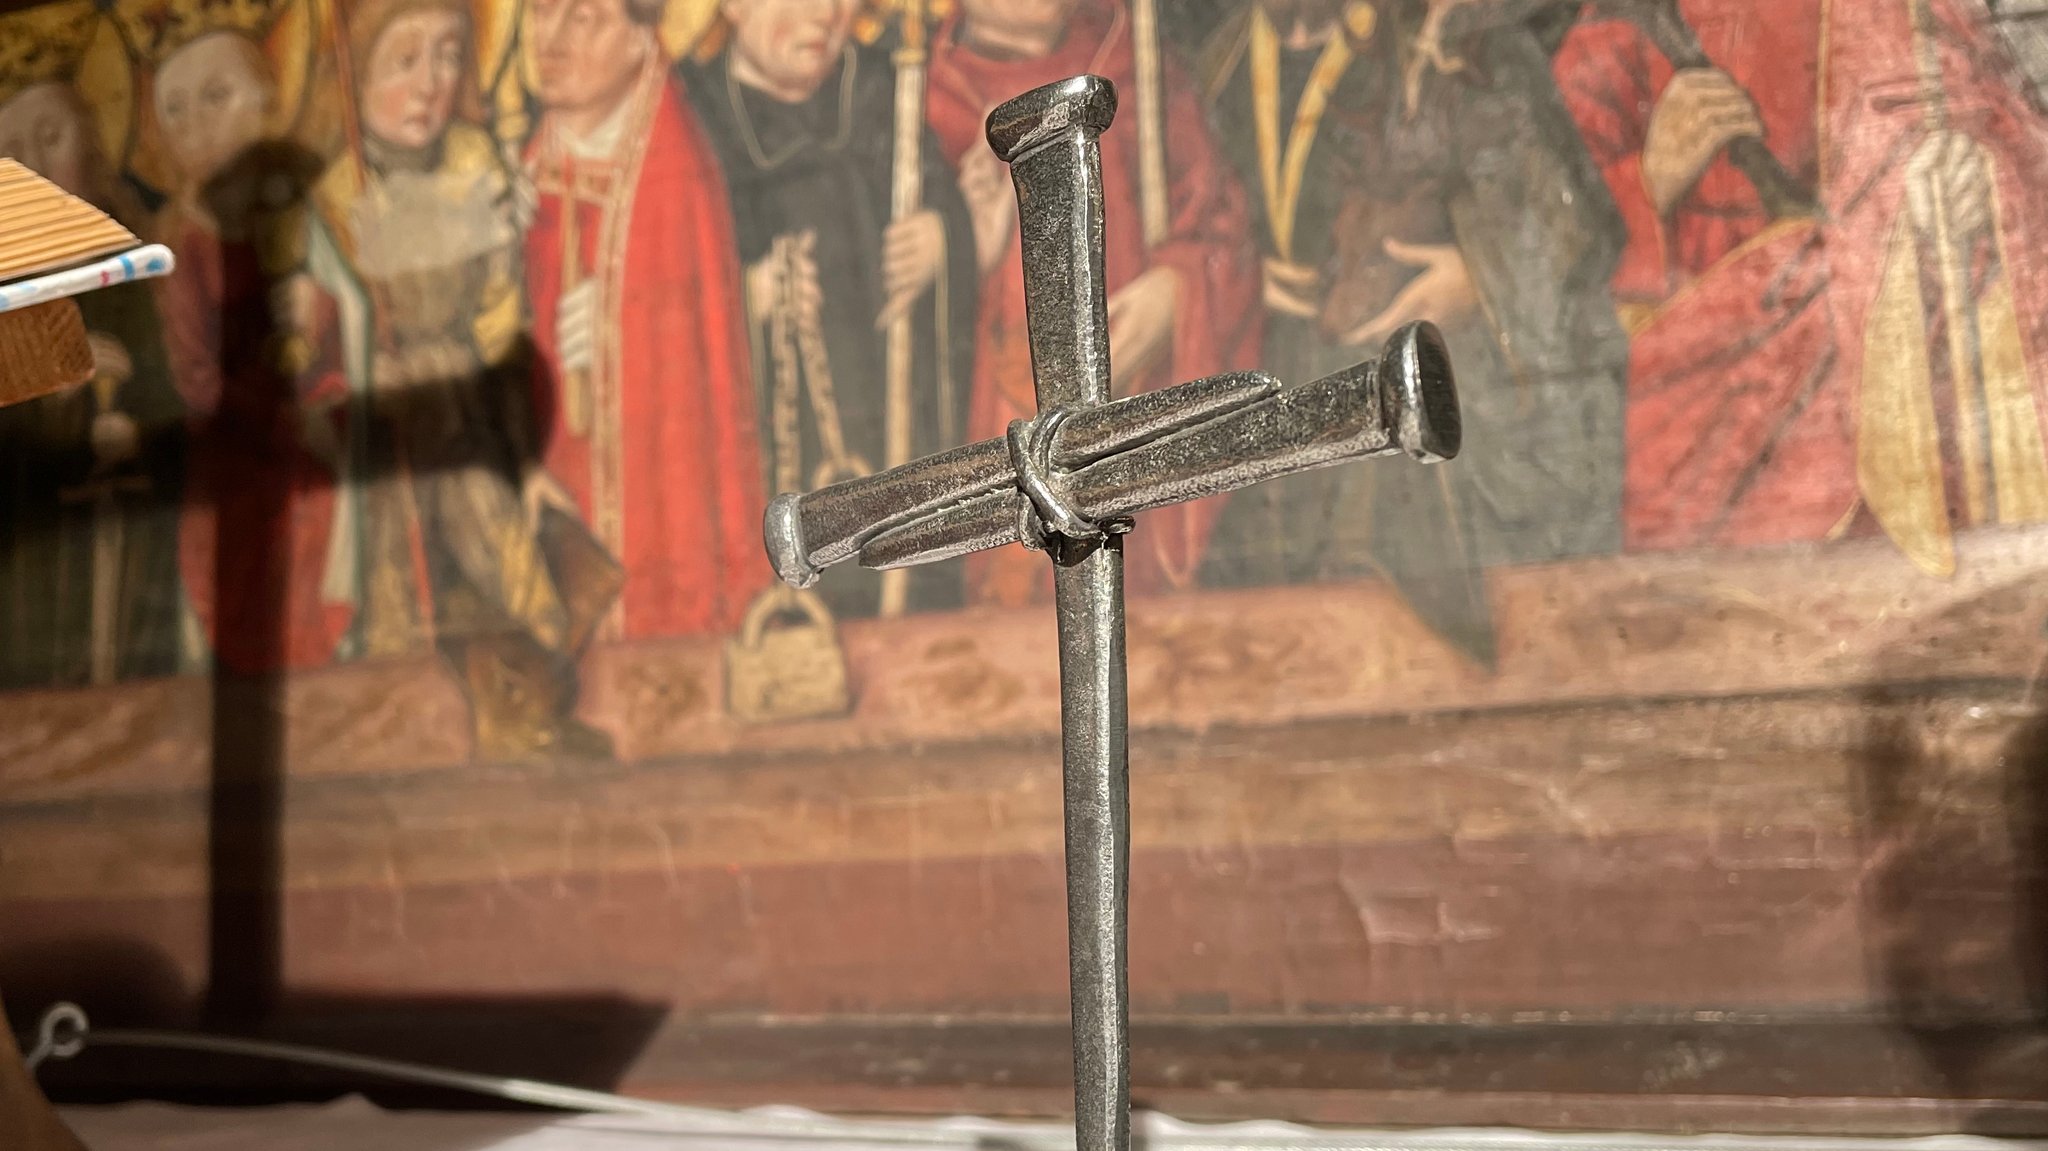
(1958, 304)
(338, 20)
(906, 198)
(1151, 94)
(1661, 21)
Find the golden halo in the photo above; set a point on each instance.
(70, 43)
(42, 44)
(157, 28)
(494, 24)
(292, 44)
(106, 82)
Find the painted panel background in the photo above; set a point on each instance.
(386, 637)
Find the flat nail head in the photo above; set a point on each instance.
(1419, 394)
(1045, 113)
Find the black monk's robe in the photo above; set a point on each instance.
(75, 527)
(823, 166)
(1478, 159)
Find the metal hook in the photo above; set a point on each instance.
(61, 1034)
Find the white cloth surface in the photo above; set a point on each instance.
(354, 1124)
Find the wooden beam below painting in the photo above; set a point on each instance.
(1673, 625)
(1763, 854)
(1779, 784)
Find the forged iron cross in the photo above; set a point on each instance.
(1068, 481)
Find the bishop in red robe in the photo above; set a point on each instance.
(645, 400)
(1873, 365)
(993, 50)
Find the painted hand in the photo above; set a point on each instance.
(1291, 288)
(1948, 181)
(1442, 294)
(541, 490)
(1141, 318)
(576, 328)
(1429, 53)
(991, 205)
(913, 250)
(1702, 111)
(790, 266)
(109, 359)
(294, 304)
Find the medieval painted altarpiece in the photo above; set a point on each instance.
(1675, 752)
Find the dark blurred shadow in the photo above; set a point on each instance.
(1953, 807)
(348, 1126)
(246, 469)
(126, 983)
(453, 450)
(435, 467)
(586, 1041)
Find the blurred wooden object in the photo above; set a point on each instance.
(26, 1120)
(42, 350)
(49, 228)
(42, 346)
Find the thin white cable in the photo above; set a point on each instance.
(65, 1031)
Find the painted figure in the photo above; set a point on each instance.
(1183, 308)
(798, 114)
(1301, 94)
(1870, 363)
(1388, 186)
(417, 308)
(89, 478)
(259, 493)
(644, 399)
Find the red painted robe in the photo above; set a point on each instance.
(259, 507)
(1748, 365)
(1216, 327)
(667, 470)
